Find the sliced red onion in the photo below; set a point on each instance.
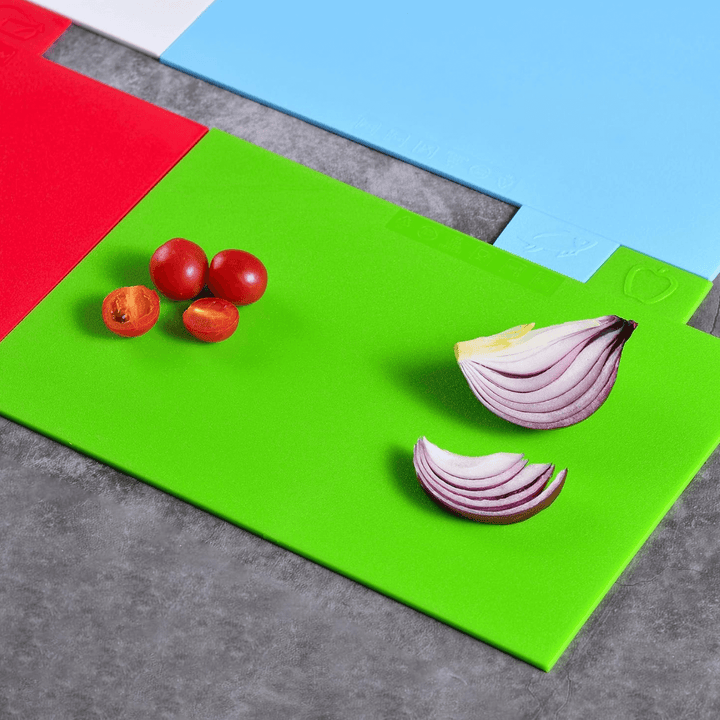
(496, 468)
(532, 479)
(517, 498)
(553, 381)
(573, 384)
(515, 478)
(546, 378)
(524, 357)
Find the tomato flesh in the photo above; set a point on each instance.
(131, 311)
(237, 276)
(211, 319)
(179, 269)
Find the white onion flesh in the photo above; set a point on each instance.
(547, 378)
(523, 492)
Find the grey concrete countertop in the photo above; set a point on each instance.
(119, 601)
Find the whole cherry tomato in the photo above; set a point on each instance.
(179, 269)
(131, 311)
(237, 276)
(211, 319)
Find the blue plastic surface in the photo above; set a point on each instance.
(556, 245)
(603, 115)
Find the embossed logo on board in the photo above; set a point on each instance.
(18, 24)
(423, 152)
(477, 253)
(649, 285)
(6, 52)
(438, 237)
(561, 244)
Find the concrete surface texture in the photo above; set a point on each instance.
(118, 601)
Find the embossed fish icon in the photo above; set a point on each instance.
(561, 244)
(17, 24)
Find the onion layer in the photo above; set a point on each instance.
(499, 489)
(546, 378)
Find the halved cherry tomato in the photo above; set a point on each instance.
(237, 276)
(179, 269)
(131, 311)
(211, 319)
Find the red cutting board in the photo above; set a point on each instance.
(28, 27)
(75, 157)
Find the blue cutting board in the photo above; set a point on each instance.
(601, 118)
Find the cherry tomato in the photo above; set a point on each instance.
(211, 319)
(179, 269)
(237, 276)
(131, 311)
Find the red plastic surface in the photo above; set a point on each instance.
(24, 26)
(75, 157)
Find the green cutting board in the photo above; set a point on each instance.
(301, 426)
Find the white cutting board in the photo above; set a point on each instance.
(150, 26)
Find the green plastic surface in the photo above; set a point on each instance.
(646, 282)
(301, 426)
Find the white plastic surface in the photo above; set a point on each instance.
(147, 25)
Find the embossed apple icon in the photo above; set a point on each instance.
(649, 285)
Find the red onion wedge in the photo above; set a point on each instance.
(523, 490)
(547, 378)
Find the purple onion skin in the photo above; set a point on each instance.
(497, 519)
(532, 500)
(592, 400)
